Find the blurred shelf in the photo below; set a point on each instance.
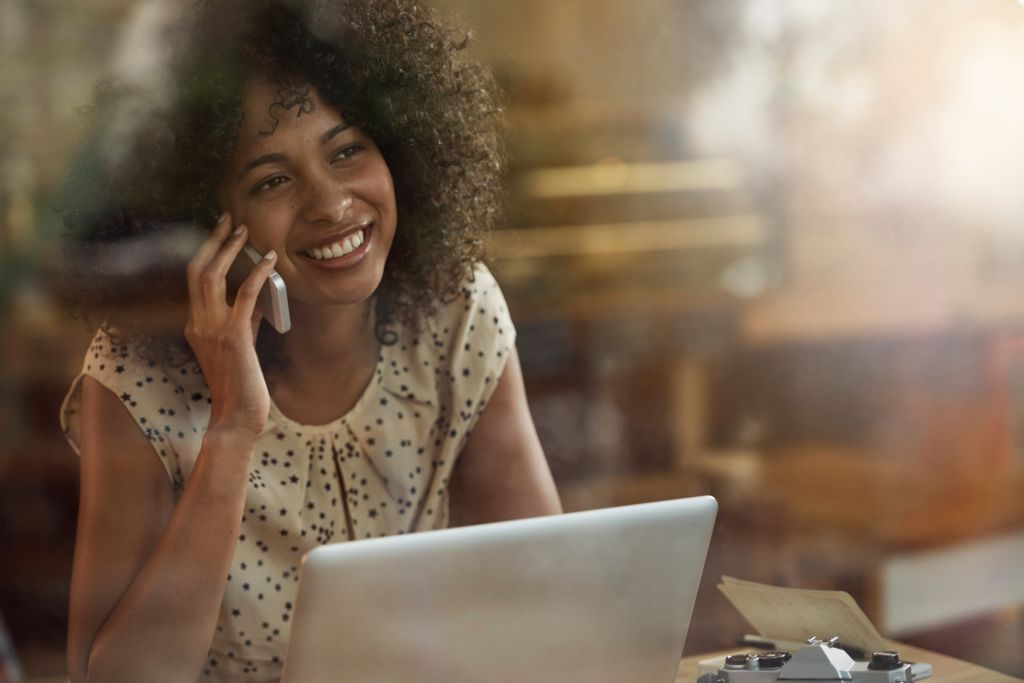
(827, 313)
(898, 505)
(628, 489)
(741, 231)
(613, 176)
(612, 270)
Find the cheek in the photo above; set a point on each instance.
(268, 225)
(236, 206)
(385, 187)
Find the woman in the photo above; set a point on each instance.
(354, 127)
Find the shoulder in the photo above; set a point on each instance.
(477, 313)
(126, 364)
(471, 338)
(462, 346)
(168, 401)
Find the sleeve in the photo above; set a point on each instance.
(482, 337)
(155, 397)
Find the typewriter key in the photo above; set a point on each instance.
(887, 660)
(770, 660)
(737, 661)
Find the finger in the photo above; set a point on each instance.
(229, 250)
(257, 318)
(213, 279)
(248, 292)
(205, 252)
(220, 232)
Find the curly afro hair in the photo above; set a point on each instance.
(393, 69)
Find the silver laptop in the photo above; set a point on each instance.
(603, 596)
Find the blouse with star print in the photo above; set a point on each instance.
(381, 469)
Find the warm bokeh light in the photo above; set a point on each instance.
(772, 251)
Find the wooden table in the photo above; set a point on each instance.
(946, 669)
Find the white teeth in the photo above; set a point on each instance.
(337, 249)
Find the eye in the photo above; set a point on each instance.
(269, 183)
(347, 152)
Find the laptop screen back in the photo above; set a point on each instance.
(603, 596)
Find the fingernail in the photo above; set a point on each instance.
(239, 230)
(223, 216)
(270, 255)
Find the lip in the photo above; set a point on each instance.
(340, 235)
(349, 259)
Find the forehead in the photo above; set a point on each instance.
(273, 112)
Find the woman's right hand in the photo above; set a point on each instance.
(223, 336)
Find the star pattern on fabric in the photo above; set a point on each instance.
(381, 469)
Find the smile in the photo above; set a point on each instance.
(337, 249)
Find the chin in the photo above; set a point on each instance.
(353, 291)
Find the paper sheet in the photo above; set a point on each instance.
(796, 614)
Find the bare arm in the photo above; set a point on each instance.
(502, 473)
(148, 577)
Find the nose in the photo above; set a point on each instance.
(326, 200)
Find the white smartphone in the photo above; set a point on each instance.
(272, 301)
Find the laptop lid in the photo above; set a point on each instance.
(602, 596)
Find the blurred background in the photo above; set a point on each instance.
(771, 251)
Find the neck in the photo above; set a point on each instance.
(327, 340)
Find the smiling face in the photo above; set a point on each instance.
(316, 190)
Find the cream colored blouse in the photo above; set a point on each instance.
(381, 469)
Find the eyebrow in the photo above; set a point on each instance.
(276, 157)
(326, 137)
(259, 161)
